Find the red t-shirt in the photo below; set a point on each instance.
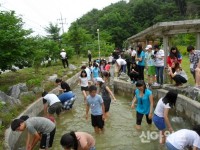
(107, 67)
(170, 61)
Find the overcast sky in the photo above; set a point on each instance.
(38, 13)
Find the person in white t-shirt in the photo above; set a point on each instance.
(110, 58)
(159, 63)
(133, 55)
(121, 65)
(84, 84)
(52, 104)
(64, 58)
(160, 117)
(184, 138)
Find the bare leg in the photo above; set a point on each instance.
(162, 137)
(85, 96)
(106, 116)
(197, 76)
(138, 127)
(96, 130)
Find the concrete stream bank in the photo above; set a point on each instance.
(32, 110)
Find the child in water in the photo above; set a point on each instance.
(106, 93)
(184, 138)
(84, 84)
(160, 117)
(95, 103)
(77, 141)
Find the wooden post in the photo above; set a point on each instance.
(165, 48)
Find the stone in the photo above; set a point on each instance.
(72, 67)
(53, 77)
(69, 72)
(28, 94)
(189, 91)
(15, 90)
(38, 90)
(84, 63)
(123, 76)
(8, 99)
(177, 119)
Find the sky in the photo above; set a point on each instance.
(37, 14)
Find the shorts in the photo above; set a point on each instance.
(97, 121)
(92, 148)
(151, 71)
(107, 104)
(47, 140)
(68, 104)
(84, 88)
(139, 117)
(170, 146)
(55, 108)
(159, 122)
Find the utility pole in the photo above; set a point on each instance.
(62, 21)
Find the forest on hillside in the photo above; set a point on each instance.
(116, 23)
(122, 20)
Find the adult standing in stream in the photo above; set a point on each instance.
(144, 99)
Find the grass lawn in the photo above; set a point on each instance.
(32, 79)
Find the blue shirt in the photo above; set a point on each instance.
(142, 55)
(95, 104)
(95, 72)
(143, 103)
(66, 96)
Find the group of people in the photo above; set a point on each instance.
(152, 59)
(178, 140)
(97, 96)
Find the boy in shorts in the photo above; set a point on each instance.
(52, 104)
(42, 129)
(95, 103)
(150, 65)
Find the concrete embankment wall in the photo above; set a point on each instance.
(184, 105)
(34, 109)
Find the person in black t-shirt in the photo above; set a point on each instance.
(64, 86)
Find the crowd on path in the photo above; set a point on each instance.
(94, 81)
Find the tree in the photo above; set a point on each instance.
(53, 31)
(76, 37)
(12, 39)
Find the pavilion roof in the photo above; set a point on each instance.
(166, 29)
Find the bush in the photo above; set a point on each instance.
(33, 82)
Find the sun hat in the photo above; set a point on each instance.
(148, 47)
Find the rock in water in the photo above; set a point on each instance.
(123, 76)
(72, 67)
(8, 99)
(53, 77)
(17, 89)
(177, 119)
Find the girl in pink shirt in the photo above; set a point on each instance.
(77, 141)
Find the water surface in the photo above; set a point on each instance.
(119, 134)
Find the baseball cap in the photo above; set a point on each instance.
(148, 47)
(100, 80)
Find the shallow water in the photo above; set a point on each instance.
(119, 134)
